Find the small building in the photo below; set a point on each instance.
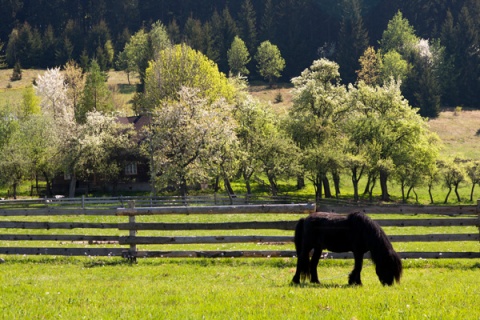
(134, 178)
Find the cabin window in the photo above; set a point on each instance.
(131, 169)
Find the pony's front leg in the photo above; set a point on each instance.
(354, 277)
(317, 253)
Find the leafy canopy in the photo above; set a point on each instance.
(181, 66)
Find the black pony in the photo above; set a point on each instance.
(355, 232)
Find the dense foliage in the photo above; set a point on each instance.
(48, 34)
(358, 110)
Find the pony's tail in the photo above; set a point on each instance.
(387, 262)
(302, 263)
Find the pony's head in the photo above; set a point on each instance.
(390, 269)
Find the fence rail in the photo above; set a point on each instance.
(123, 239)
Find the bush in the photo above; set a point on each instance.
(278, 98)
(17, 72)
(458, 110)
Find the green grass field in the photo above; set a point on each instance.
(110, 288)
(87, 288)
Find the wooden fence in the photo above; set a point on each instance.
(51, 222)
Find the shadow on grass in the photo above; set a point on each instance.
(322, 285)
(280, 263)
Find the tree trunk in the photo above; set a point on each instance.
(300, 182)
(246, 177)
(456, 192)
(49, 191)
(448, 194)
(183, 188)
(402, 187)
(228, 186)
(471, 192)
(15, 191)
(336, 182)
(318, 188)
(430, 194)
(71, 189)
(408, 192)
(370, 191)
(367, 186)
(355, 180)
(247, 185)
(216, 186)
(384, 186)
(273, 185)
(355, 189)
(326, 187)
(36, 183)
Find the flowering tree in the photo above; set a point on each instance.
(95, 149)
(187, 136)
(55, 102)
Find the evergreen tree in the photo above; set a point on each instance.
(370, 67)
(174, 32)
(450, 80)
(24, 45)
(3, 63)
(270, 62)
(209, 48)
(48, 47)
(468, 53)
(353, 40)
(422, 87)
(98, 38)
(217, 38)
(399, 36)
(96, 96)
(193, 33)
(229, 31)
(238, 57)
(247, 24)
(75, 81)
(17, 72)
(267, 23)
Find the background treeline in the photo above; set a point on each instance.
(49, 33)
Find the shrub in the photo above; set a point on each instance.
(278, 98)
(17, 72)
(458, 110)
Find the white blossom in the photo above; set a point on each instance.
(52, 89)
(423, 48)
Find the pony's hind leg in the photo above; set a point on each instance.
(354, 277)
(313, 265)
(302, 267)
(296, 277)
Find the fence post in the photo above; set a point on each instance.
(132, 252)
(478, 214)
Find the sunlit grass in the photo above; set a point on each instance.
(86, 288)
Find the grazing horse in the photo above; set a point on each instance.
(354, 232)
